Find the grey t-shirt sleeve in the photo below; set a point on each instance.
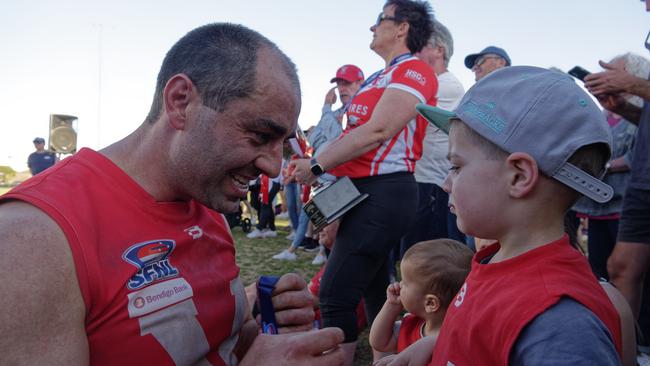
(566, 334)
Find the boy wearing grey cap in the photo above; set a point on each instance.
(524, 143)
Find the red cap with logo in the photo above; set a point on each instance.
(349, 73)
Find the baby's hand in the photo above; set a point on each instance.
(392, 294)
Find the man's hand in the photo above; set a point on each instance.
(293, 304)
(392, 294)
(330, 97)
(315, 348)
(611, 86)
(614, 80)
(302, 171)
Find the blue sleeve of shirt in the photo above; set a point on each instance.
(566, 334)
(327, 129)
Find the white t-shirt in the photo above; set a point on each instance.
(433, 166)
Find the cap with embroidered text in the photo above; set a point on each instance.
(349, 73)
(536, 111)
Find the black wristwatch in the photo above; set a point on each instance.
(316, 169)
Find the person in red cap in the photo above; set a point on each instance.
(348, 80)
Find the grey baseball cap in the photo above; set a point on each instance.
(536, 111)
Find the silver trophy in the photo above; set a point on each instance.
(330, 201)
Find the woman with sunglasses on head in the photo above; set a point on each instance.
(378, 151)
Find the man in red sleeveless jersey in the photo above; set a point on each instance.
(122, 257)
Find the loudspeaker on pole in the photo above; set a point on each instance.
(63, 134)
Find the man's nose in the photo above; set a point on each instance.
(270, 161)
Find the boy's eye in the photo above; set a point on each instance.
(454, 169)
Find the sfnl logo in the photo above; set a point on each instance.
(151, 258)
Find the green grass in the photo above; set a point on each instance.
(254, 259)
(4, 190)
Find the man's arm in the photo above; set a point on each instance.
(30, 163)
(328, 127)
(315, 348)
(615, 80)
(41, 308)
(618, 104)
(628, 323)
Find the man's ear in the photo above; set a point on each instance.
(431, 303)
(177, 95)
(522, 174)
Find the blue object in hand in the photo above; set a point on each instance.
(265, 286)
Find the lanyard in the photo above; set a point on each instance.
(374, 76)
(265, 286)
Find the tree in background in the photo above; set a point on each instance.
(6, 173)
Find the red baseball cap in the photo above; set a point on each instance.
(349, 73)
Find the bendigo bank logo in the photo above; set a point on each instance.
(151, 258)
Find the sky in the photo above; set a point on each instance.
(98, 60)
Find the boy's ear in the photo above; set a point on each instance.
(522, 174)
(431, 303)
(177, 95)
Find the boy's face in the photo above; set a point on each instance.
(476, 185)
(411, 292)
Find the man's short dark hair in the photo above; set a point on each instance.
(221, 60)
(419, 16)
